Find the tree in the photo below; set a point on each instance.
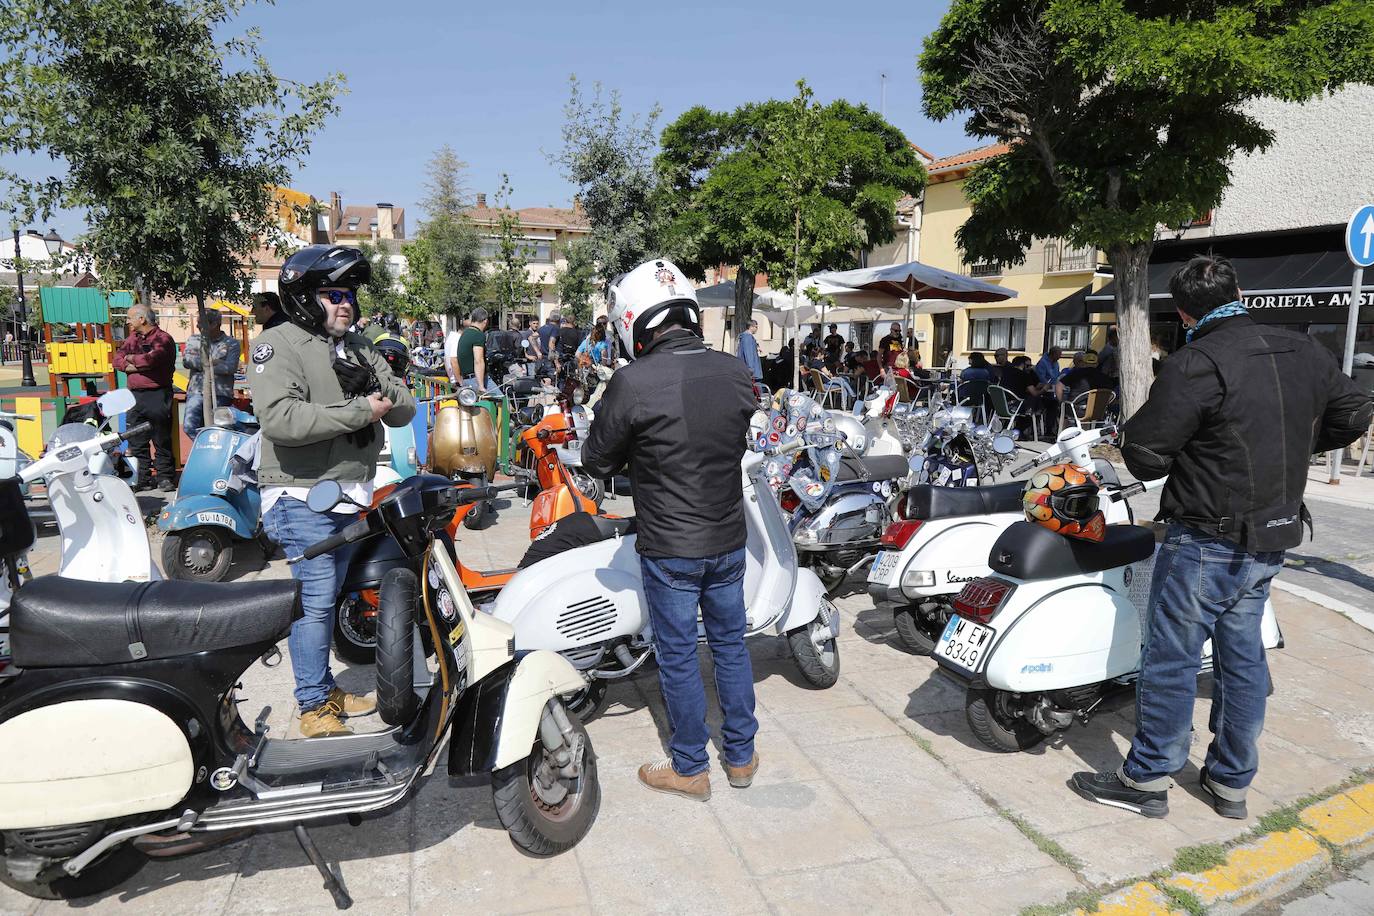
(786, 187)
(168, 137)
(444, 262)
(379, 296)
(576, 284)
(609, 157)
(509, 284)
(1123, 118)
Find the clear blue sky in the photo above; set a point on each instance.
(490, 79)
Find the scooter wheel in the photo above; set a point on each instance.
(543, 812)
(913, 628)
(396, 602)
(202, 554)
(591, 488)
(355, 639)
(992, 715)
(819, 664)
(114, 868)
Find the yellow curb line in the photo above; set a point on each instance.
(1264, 868)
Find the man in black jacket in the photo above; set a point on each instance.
(678, 416)
(1233, 419)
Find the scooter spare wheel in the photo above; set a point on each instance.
(202, 554)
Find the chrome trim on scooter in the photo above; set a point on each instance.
(76, 863)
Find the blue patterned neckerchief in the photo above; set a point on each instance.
(1229, 310)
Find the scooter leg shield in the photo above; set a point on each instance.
(807, 596)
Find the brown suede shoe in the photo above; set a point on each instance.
(352, 704)
(741, 777)
(323, 721)
(661, 777)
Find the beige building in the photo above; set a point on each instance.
(349, 225)
(1052, 270)
(546, 232)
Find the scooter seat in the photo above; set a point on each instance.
(926, 502)
(577, 529)
(881, 467)
(1027, 551)
(66, 623)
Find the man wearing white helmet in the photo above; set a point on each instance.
(677, 415)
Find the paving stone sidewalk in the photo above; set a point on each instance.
(873, 796)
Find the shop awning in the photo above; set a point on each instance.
(1072, 309)
(1297, 276)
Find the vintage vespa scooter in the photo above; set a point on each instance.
(105, 663)
(941, 541)
(1057, 626)
(588, 603)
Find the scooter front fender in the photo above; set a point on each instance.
(205, 509)
(497, 719)
(808, 597)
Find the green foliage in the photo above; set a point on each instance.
(787, 187)
(443, 263)
(608, 156)
(576, 285)
(508, 283)
(381, 295)
(1196, 859)
(150, 128)
(1123, 115)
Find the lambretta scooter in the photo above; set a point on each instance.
(944, 535)
(123, 727)
(588, 603)
(1057, 626)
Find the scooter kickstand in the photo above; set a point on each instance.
(331, 880)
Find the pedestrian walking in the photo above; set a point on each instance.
(147, 357)
(748, 351)
(1232, 419)
(224, 357)
(678, 415)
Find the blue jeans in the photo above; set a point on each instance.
(675, 587)
(291, 524)
(1203, 587)
(491, 387)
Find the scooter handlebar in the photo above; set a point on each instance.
(134, 431)
(354, 532)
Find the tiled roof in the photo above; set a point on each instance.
(920, 152)
(968, 157)
(365, 216)
(533, 217)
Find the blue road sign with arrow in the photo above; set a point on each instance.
(1359, 237)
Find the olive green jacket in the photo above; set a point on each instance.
(305, 417)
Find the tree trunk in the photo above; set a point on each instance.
(744, 301)
(207, 373)
(1129, 265)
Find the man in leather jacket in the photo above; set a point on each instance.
(1233, 419)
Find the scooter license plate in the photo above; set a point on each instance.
(884, 566)
(963, 643)
(214, 518)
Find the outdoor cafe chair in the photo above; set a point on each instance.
(974, 394)
(827, 390)
(1008, 408)
(1091, 408)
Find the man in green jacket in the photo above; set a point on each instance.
(319, 393)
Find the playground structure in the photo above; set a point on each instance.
(77, 359)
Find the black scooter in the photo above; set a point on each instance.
(122, 726)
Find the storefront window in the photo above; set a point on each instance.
(993, 333)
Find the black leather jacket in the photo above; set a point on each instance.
(678, 415)
(1233, 418)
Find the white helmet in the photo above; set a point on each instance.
(646, 297)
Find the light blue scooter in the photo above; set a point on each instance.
(217, 502)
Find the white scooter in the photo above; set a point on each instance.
(942, 540)
(877, 431)
(588, 603)
(1058, 626)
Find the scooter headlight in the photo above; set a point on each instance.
(467, 397)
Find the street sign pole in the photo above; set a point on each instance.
(1359, 246)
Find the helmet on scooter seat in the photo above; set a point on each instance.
(1065, 500)
(653, 294)
(313, 268)
(395, 352)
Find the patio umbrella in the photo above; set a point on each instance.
(796, 307)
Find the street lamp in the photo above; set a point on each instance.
(54, 243)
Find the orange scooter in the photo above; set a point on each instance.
(355, 618)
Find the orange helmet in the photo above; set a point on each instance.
(1064, 500)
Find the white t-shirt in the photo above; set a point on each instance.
(360, 492)
(451, 350)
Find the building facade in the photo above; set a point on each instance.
(545, 233)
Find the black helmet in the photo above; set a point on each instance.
(395, 352)
(311, 269)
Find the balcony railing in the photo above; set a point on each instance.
(1063, 258)
(983, 269)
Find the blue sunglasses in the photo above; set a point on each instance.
(336, 296)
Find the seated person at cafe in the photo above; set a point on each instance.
(1084, 376)
(1020, 379)
(978, 369)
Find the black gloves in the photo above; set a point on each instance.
(357, 380)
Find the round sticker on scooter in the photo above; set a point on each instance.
(262, 353)
(779, 422)
(773, 438)
(814, 490)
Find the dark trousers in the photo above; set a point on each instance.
(153, 406)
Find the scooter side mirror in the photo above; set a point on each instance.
(121, 400)
(324, 495)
